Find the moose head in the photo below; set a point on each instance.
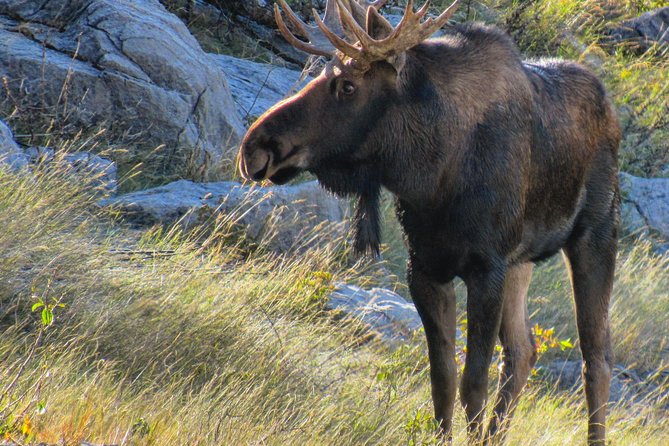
(341, 126)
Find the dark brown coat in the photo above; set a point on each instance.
(496, 163)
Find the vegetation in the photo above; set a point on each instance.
(162, 337)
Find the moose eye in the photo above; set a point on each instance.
(347, 87)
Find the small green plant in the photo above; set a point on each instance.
(319, 286)
(419, 424)
(48, 308)
(545, 339)
(141, 427)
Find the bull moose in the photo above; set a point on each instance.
(495, 162)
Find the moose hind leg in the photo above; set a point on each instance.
(436, 306)
(519, 352)
(591, 262)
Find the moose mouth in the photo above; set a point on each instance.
(284, 175)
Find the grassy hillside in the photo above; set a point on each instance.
(159, 337)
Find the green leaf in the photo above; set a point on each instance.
(566, 343)
(47, 317)
(41, 408)
(37, 305)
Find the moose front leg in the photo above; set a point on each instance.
(436, 306)
(484, 310)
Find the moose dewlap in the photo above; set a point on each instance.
(495, 163)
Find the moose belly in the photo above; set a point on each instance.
(542, 238)
(539, 243)
(443, 260)
(444, 251)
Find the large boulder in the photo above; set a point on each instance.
(645, 204)
(282, 218)
(127, 65)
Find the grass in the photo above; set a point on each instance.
(198, 338)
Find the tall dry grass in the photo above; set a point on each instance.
(163, 342)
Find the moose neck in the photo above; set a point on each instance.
(445, 92)
(414, 162)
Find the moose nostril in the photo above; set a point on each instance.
(271, 145)
(260, 175)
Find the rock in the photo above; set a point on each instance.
(127, 65)
(640, 33)
(282, 218)
(256, 87)
(645, 204)
(101, 170)
(10, 153)
(98, 173)
(7, 143)
(383, 311)
(625, 383)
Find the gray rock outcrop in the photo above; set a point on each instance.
(256, 87)
(10, 152)
(640, 33)
(94, 171)
(282, 218)
(645, 204)
(126, 65)
(383, 311)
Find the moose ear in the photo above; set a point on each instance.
(379, 28)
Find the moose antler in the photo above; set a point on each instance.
(359, 8)
(317, 43)
(408, 33)
(344, 19)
